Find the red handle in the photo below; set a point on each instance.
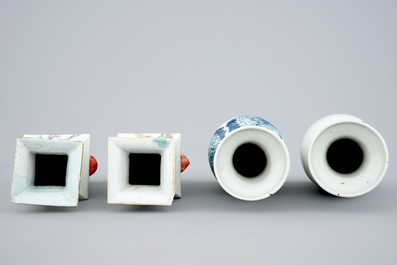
(93, 165)
(184, 162)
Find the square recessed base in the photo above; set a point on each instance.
(51, 170)
(144, 169)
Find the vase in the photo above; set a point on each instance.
(145, 168)
(344, 155)
(249, 158)
(52, 170)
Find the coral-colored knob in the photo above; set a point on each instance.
(93, 165)
(184, 162)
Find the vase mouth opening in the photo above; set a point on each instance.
(345, 156)
(50, 170)
(347, 159)
(249, 160)
(251, 163)
(144, 169)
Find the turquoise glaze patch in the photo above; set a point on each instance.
(161, 142)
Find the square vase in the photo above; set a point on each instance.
(51, 170)
(144, 169)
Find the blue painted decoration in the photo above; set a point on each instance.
(231, 125)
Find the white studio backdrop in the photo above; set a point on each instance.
(130, 66)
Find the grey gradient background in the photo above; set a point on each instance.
(104, 67)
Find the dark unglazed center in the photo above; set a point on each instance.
(249, 160)
(144, 169)
(50, 170)
(345, 156)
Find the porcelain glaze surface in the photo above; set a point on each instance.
(75, 146)
(326, 131)
(233, 124)
(236, 132)
(165, 144)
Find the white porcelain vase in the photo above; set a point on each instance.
(249, 158)
(51, 170)
(344, 156)
(144, 168)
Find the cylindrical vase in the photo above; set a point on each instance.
(344, 156)
(249, 158)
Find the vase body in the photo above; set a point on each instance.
(249, 158)
(144, 168)
(51, 170)
(344, 156)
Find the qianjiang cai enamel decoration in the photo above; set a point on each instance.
(249, 158)
(52, 170)
(344, 155)
(145, 168)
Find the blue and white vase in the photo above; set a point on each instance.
(249, 158)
